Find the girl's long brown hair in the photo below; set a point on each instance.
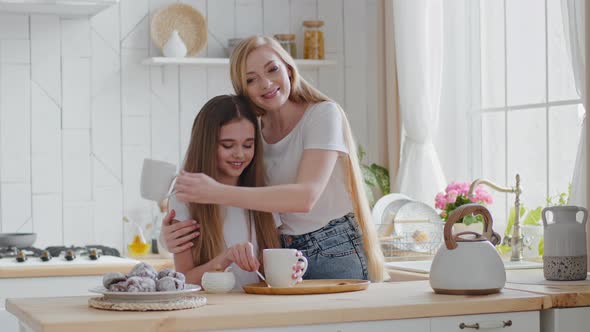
(303, 92)
(201, 157)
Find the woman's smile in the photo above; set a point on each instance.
(273, 93)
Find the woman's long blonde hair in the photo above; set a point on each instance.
(201, 157)
(303, 92)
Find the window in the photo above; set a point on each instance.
(524, 114)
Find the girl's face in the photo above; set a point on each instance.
(235, 150)
(267, 79)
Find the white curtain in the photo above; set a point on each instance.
(572, 12)
(418, 29)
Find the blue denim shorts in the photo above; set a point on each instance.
(334, 251)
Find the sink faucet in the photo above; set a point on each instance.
(516, 242)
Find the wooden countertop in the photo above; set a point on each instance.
(82, 268)
(562, 294)
(384, 301)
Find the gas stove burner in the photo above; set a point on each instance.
(23, 253)
(92, 252)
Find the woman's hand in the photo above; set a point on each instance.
(178, 236)
(196, 188)
(243, 255)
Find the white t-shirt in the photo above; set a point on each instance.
(321, 127)
(235, 230)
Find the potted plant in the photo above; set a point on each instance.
(457, 194)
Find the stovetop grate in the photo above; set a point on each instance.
(56, 251)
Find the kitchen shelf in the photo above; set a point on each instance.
(63, 8)
(162, 61)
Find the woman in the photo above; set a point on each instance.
(313, 174)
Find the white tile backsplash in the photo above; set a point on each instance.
(79, 112)
(221, 26)
(75, 39)
(77, 173)
(78, 223)
(76, 92)
(14, 26)
(16, 207)
(15, 124)
(47, 217)
(46, 172)
(103, 27)
(15, 51)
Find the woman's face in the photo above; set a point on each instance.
(235, 150)
(267, 79)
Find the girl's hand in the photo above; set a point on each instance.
(196, 188)
(178, 236)
(243, 255)
(298, 268)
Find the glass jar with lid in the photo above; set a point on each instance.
(287, 41)
(313, 43)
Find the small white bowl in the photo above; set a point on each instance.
(218, 282)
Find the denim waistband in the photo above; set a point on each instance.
(334, 227)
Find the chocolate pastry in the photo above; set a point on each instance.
(171, 273)
(141, 284)
(143, 270)
(120, 286)
(112, 278)
(167, 284)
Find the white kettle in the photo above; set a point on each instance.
(468, 263)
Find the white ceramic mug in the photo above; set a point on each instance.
(156, 179)
(278, 266)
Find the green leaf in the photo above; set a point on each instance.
(370, 196)
(533, 217)
(368, 176)
(541, 247)
(381, 178)
(470, 219)
(511, 220)
(503, 249)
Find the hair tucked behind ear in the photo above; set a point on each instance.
(303, 92)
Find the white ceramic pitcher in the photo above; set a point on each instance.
(565, 243)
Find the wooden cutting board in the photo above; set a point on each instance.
(320, 286)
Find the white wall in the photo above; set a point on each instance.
(78, 111)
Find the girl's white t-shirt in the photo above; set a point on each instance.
(321, 127)
(235, 230)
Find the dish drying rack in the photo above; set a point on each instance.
(411, 239)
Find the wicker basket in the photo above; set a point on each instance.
(189, 22)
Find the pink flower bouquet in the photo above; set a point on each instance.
(456, 194)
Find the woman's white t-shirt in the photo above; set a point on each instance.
(321, 127)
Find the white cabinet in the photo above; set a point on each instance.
(506, 322)
(40, 287)
(414, 325)
(566, 319)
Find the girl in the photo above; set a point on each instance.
(225, 145)
(311, 164)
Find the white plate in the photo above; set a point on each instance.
(385, 210)
(146, 296)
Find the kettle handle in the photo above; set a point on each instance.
(461, 212)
